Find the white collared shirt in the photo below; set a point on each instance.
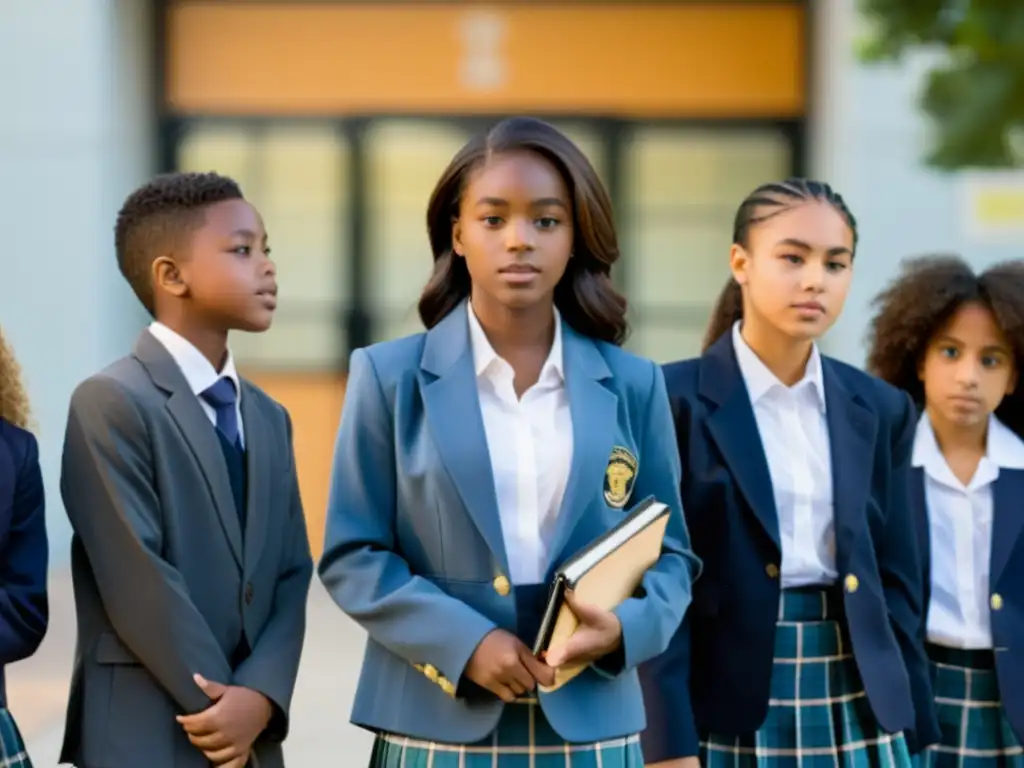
(198, 371)
(530, 445)
(794, 431)
(960, 530)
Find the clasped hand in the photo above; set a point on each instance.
(226, 730)
(506, 667)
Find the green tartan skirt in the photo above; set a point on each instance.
(523, 739)
(12, 747)
(975, 731)
(819, 715)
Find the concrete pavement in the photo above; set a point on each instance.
(37, 688)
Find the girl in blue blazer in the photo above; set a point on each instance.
(802, 644)
(954, 340)
(23, 546)
(474, 459)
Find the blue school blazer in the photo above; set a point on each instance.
(23, 549)
(414, 551)
(1006, 580)
(716, 674)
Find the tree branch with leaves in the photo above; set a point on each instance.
(975, 99)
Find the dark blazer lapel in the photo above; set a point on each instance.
(260, 473)
(919, 504)
(851, 429)
(734, 430)
(1007, 519)
(452, 405)
(594, 409)
(196, 431)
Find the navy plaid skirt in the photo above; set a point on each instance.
(819, 714)
(12, 747)
(523, 739)
(975, 731)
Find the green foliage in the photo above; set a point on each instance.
(976, 97)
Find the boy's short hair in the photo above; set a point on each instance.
(155, 217)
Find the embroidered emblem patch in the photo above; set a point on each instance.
(619, 477)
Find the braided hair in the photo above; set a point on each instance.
(763, 203)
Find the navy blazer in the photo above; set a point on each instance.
(414, 549)
(716, 675)
(23, 549)
(1006, 579)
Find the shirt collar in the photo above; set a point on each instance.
(484, 356)
(1002, 447)
(759, 378)
(199, 373)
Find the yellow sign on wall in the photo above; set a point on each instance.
(993, 205)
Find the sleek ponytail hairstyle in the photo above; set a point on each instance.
(763, 203)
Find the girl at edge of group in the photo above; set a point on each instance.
(473, 459)
(954, 340)
(802, 644)
(24, 612)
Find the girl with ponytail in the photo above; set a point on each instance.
(803, 639)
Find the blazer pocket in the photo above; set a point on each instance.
(110, 650)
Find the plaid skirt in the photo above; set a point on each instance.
(523, 739)
(975, 732)
(12, 747)
(818, 714)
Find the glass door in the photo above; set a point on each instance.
(681, 187)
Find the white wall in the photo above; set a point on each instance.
(868, 139)
(76, 135)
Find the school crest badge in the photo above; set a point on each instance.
(619, 477)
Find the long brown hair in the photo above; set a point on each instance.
(13, 398)
(764, 202)
(585, 296)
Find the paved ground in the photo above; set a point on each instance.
(37, 688)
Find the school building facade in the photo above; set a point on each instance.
(337, 117)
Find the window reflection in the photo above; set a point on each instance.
(404, 159)
(681, 190)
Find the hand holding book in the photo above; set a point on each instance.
(582, 629)
(598, 634)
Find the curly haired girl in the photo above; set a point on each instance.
(13, 400)
(23, 545)
(954, 340)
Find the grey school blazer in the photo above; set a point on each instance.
(166, 582)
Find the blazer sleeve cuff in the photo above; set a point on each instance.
(639, 643)
(280, 702)
(454, 657)
(612, 665)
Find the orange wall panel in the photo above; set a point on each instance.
(314, 403)
(640, 59)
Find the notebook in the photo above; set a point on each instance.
(605, 573)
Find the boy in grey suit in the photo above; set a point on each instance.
(190, 558)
